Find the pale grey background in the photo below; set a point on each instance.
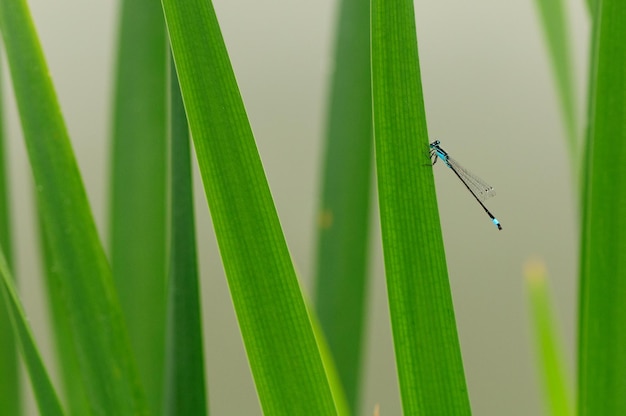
(490, 98)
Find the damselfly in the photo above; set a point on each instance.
(477, 187)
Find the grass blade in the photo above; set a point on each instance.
(341, 404)
(344, 215)
(185, 392)
(554, 23)
(47, 399)
(275, 326)
(427, 349)
(66, 353)
(602, 362)
(549, 348)
(138, 187)
(103, 349)
(9, 374)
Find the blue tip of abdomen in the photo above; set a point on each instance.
(496, 223)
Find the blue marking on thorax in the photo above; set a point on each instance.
(443, 156)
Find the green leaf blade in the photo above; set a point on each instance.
(104, 355)
(9, 374)
(275, 326)
(66, 351)
(428, 356)
(138, 186)
(341, 275)
(554, 23)
(550, 351)
(47, 399)
(185, 392)
(602, 362)
(334, 381)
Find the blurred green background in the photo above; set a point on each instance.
(491, 100)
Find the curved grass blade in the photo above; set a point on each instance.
(549, 346)
(426, 343)
(602, 362)
(341, 275)
(554, 23)
(185, 391)
(275, 326)
(9, 370)
(138, 187)
(85, 281)
(47, 399)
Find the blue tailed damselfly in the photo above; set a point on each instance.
(477, 187)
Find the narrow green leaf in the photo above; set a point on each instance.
(344, 214)
(554, 23)
(550, 351)
(185, 392)
(138, 187)
(5, 211)
(85, 281)
(336, 387)
(602, 362)
(47, 399)
(66, 352)
(275, 326)
(427, 350)
(9, 374)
